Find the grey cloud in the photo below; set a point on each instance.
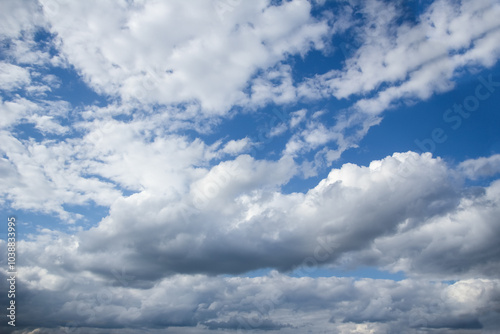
(243, 228)
(155, 263)
(461, 243)
(395, 207)
(242, 323)
(267, 303)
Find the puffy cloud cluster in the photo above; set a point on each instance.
(394, 63)
(414, 59)
(232, 53)
(147, 262)
(187, 214)
(204, 304)
(128, 49)
(234, 218)
(482, 167)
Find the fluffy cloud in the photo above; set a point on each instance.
(17, 17)
(414, 61)
(481, 167)
(233, 218)
(189, 210)
(236, 146)
(11, 112)
(414, 217)
(128, 49)
(13, 77)
(460, 243)
(214, 304)
(40, 180)
(395, 63)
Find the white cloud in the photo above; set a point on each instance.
(234, 147)
(46, 124)
(418, 60)
(403, 62)
(275, 85)
(11, 112)
(44, 181)
(297, 117)
(128, 49)
(17, 16)
(13, 77)
(315, 135)
(183, 213)
(414, 217)
(236, 208)
(481, 167)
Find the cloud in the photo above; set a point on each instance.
(128, 50)
(15, 110)
(233, 216)
(394, 63)
(40, 182)
(274, 85)
(191, 209)
(481, 167)
(245, 53)
(461, 242)
(234, 147)
(17, 17)
(164, 250)
(414, 60)
(276, 301)
(13, 77)
(315, 135)
(297, 117)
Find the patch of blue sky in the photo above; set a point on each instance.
(314, 272)
(45, 41)
(318, 62)
(412, 127)
(90, 212)
(74, 90)
(358, 273)
(27, 131)
(31, 222)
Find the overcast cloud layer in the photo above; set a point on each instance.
(188, 122)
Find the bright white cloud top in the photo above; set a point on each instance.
(276, 166)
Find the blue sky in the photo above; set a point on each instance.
(291, 166)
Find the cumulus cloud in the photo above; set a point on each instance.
(481, 167)
(297, 117)
(18, 17)
(414, 60)
(191, 211)
(294, 305)
(13, 77)
(461, 242)
(395, 63)
(236, 146)
(128, 50)
(234, 219)
(39, 181)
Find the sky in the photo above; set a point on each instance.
(230, 166)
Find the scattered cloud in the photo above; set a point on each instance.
(138, 126)
(481, 167)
